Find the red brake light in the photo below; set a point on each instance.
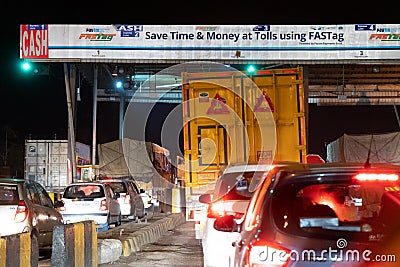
(216, 209)
(377, 177)
(268, 255)
(103, 205)
(22, 212)
(63, 207)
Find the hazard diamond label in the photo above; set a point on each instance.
(264, 104)
(218, 106)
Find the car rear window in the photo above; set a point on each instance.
(118, 187)
(84, 191)
(9, 195)
(365, 210)
(237, 184)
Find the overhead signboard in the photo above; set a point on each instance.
(209, 42)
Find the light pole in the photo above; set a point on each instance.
(71, 127)
(94, 141)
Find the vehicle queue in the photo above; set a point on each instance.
(26, 207)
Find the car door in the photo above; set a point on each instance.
(252, 218)
(44, 216)
(113, 204)
(137, 199)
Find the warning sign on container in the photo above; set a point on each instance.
(264, 104)
(218, 106)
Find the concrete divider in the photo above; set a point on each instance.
(150, 233)
(109, 250)
(15, 250)
(75, 244)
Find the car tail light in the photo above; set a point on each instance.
(127, 198)
(63, 207)
(103, 205)
(268, 255)
(377, 177)
(22, 212)
(217, 209)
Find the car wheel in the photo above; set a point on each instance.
(34, 250)
(119, 219)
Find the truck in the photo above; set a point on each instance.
(147, 163)
(376, 147)
(234, 117)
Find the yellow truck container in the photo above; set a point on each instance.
(232, 117)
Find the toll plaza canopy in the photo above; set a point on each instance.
(223, 43)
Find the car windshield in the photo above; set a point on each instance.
(237, 184)
(365, 209)
(84, 191)
(8, 194)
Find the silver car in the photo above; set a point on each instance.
(91, 201)
(26, 207)
(130, 201)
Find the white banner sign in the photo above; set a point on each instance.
(210, 42)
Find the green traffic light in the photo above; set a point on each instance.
(35, 69)
(251, 69)
(26, 66)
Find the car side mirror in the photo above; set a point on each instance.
(142, 191)
(116, 195)
(226, 223)
(205, 198)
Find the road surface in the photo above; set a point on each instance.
(178, 247)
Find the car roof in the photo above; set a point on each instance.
(86, 183)
(111, 180)
(299, 169)
(246, 167)
(12, 180)
(337, 166)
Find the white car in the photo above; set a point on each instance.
(231, 195)
(91, 201)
